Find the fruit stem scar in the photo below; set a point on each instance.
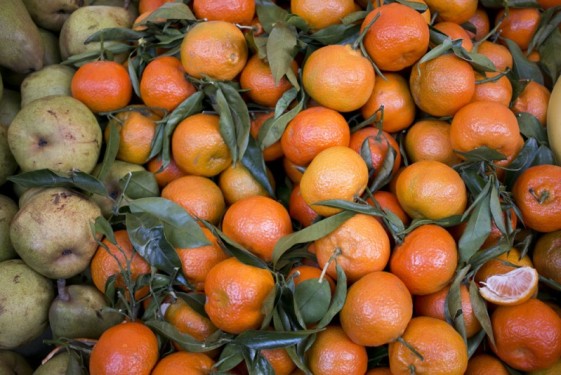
(42, 142)
(542, 197)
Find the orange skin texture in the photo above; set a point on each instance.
(431, 189)
(164, 175)
(320, 14)
(235, 295)
(483, 364)
(519, 26)
(274, 151)
(199, 196)
(338, 77)
(216, 49)
(388, 202)
(127, 348)
(198, 147)
(443, 349)
(500, 264)
(499, 91)
(527, 336)
(480, 20)
(234, 11)
(393, 93)
(299, 210)
(534, 100)
(364, 247)
(441, 86)
(102, 86)
(333, 352)
(237, 182)
(187, 320)
(335, 173)
(430, 140)
(257, 78)
(499, 55)
(312, 131)
(105, 264)
(196, 262)
(377, 309)
(426, 260)
(433, 305)
(488, 124)
(398, 38)
(184, 363)
(458, 11)
(379, 144)
(537, 193)
(279, 359)
(455, 31)
(164, 83)
(257, 223)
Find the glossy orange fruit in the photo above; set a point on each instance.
(166, 174)
(236, 293)
(379, 144)
(257, 223)
(187, 320)
(502, 264)
(305, 272)
(518, 25)
(377, 309)
(274, 151)
(103, 86)
(397, 39)
(430, 140)
(236, 11)
(387, 201)
(321, 14)
(499, 91)
(127, 348)
(547, 257)
(454, 31)
(534, 99)
(279, 360)
(458, 11)
(299, 210)
(483, 364)
(184, 363)
(151, 5)
(480, 21)
(237, 182)
(499, 55)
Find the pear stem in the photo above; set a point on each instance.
(62, 292)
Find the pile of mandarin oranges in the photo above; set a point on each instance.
(370, 183)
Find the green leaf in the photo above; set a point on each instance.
(256, 363)
(273, 128)
(480, 310)
(193, 104)
(146, 233)
(338, 299)
(311, 233)
(549, 22)
(264, 339)
(522, 67)
(115, 33)
(103, 227)
(180, 228)
(530, 127)
(284, 102)
(477, 230)
(550, 59)
(171, 11)
(75, 366)
(334, 34)
(238, 251)
(185, 341)
(508, 3)
(49, 178)
(479, 62)
(362, 208)
(497, 213)
(230, 357)
(255, 164)
(446, 222)
(384, 175)
(269, 14)
(281, 48)
(139, 184)
(312, 299)
(521, 162)
(475, 341)
(111, 150)
(482, 153)
(454, 302)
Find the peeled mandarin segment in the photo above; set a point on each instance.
(511, 288)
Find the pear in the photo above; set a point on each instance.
(57, 365)
(85, 22)
(51, 80)
(21, 49)
(55, 132)
(50, 45)
(126, 4)
(118, 170)
(25, 298)
(13, 363)
(52, 232)
(51, 14)
(8, 209)
(81, 311)
(9, 106)
(8, 164)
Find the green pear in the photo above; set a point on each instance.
(81, 311)
(55, 132)
(50, 45)
(9, 106)
(52, 232)
(51, 14)
(25, 298)
(51, 80)
(13, 363)
(8, 165)
(8, 209)
(57, 365)
(126, 4)
(21, 49)
(85, 22)
(118, 170)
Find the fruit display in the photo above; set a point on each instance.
(280, 187)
